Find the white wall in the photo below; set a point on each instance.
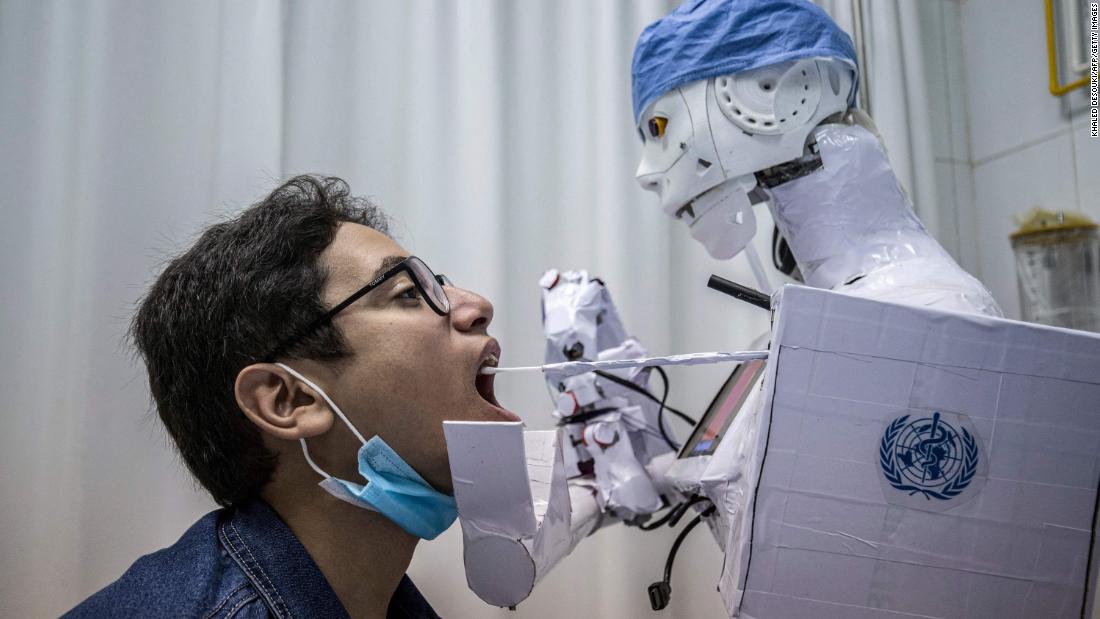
(942, 51)
(1002, 143)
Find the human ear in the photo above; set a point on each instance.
(280, 404)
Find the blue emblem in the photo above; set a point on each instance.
(928, 456)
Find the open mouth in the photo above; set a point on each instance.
(484, 385)
(484, 382)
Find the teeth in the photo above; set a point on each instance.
(491, 361)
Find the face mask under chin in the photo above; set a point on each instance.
(393, 488)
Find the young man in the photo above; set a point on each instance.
(294, 343)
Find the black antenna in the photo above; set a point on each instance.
(737, 291)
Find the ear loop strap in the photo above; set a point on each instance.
(335, 409)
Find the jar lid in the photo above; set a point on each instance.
(1041, 221)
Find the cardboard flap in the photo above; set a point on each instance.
(540, 451)
(489, 470)
(920, 462)
(547, 471)
(888, 330)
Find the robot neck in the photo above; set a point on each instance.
(850, 217)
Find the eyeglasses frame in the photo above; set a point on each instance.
(403, 266)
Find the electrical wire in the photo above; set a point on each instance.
(649, 526)
(663, 402)
(642, 390)
(661, 413)
(674, 515)
(660, 592)
(697, 498)
(680, 540)
(586, 416)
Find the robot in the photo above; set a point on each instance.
(730, 128)
(717, 142)
(737, 104)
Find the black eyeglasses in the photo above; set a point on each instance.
(427, 283)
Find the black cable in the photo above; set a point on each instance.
(635, 387)
(583, 417)
(661, 412)
(589, 415)
(782, 257)
(680, 540)
(674, 515)
(660, 592)
(649, 526)
(694, 499)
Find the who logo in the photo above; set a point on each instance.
(931, 460)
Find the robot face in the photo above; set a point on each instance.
(703, 142)
(677, 155)
(681, 165)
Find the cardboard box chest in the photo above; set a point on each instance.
(920, 463)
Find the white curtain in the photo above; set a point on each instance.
(498, 134)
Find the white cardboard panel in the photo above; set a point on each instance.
(831, 538)
(491, 486)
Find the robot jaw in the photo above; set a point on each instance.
(722, 218)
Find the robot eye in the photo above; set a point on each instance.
(657, 126)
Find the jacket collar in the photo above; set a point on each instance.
(276, 562)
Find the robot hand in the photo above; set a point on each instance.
(611, 423)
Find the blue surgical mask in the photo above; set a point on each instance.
(393, 488)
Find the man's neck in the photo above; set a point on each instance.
(361, 553)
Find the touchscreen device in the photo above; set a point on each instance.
(731, 397)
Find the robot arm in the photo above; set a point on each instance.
(526, 499)
(612, 427)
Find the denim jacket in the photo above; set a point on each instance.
(239, 562)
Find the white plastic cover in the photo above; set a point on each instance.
(852, 229)
(518, 513)
(623, 482)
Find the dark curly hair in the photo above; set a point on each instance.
(245, 285)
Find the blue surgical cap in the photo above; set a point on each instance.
(705, 38)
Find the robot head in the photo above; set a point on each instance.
(704, 141)
(724, 89)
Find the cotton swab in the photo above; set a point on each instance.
(572, 368)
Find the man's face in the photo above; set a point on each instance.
(410, 368)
